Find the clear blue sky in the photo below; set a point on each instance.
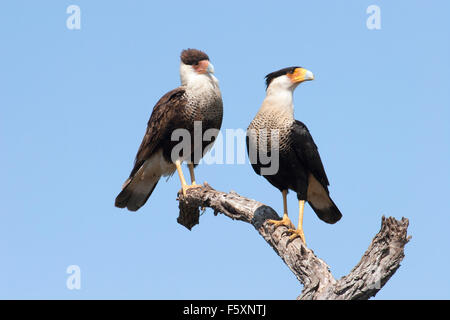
(74, 106)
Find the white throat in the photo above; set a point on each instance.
(195, 81)
(279, 101)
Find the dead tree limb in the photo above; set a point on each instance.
(378, 264)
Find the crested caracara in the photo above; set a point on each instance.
(299, 165)
(198, 100)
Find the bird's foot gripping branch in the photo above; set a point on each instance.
(378, 264)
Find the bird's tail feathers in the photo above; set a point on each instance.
(319, 199)
(136, 191)
(328, 213)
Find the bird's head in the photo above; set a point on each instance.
(288, 78)
(193, 63)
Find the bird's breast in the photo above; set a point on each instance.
(206, 106)
(272, 130)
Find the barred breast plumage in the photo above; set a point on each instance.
(205, 106)
(266, 124)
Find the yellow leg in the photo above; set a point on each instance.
(285, 221)
(193, 183)
(299, 231)
(184, 185)
(180, 174)
(191, 171)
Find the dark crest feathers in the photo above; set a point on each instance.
(193, 56)
(278, 73)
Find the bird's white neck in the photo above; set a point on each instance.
(195, 81)
(279, 101)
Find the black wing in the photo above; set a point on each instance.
(135, 192)
(308, 154)
(159, 125)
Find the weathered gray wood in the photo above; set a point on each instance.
(377, 265)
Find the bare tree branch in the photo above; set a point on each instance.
(377, 265)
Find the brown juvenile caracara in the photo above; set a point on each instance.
(198, 99)
(300, 167)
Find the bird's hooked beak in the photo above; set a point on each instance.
(301, 74)
(210, 68)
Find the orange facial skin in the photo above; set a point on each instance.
(201, 67)
(298, 75)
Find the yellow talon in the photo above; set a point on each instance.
(187, 187)
(184, 185)
(285, 221)
(297, 233)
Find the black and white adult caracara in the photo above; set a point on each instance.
(300, 167)
(199, 100)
